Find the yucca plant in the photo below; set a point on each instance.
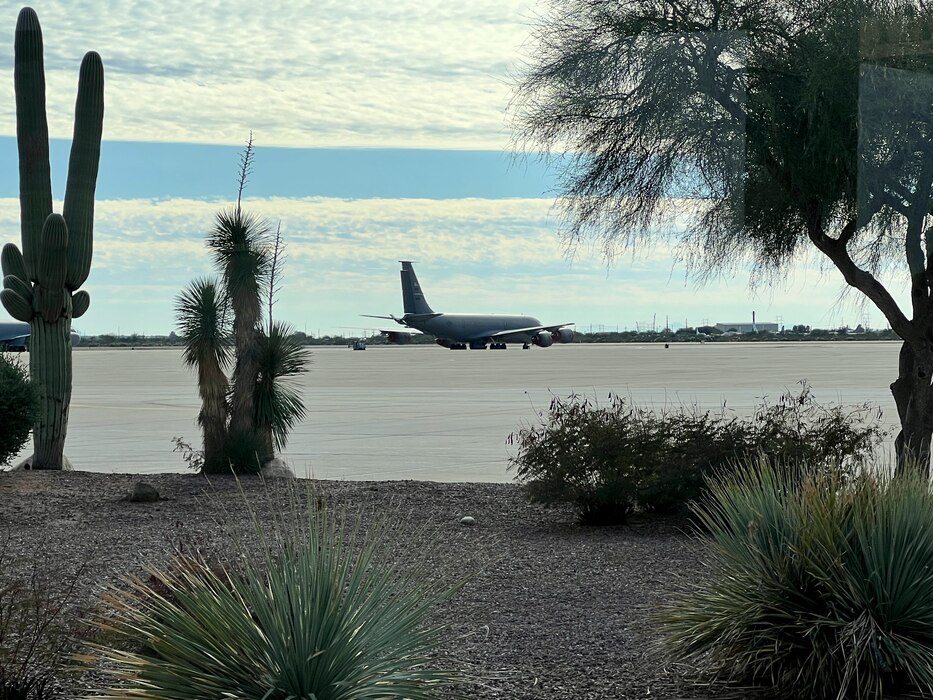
(315, 611)
(239, 246)
(278, 407)
(201, 312)
(246, 419)
(819, 585)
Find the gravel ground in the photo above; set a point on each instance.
(556, 611)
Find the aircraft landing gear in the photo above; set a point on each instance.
(526, 346)
(458, 346)
(497, 346)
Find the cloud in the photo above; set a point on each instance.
(406, 73)
(472, 255)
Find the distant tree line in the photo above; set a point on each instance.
(686, 335)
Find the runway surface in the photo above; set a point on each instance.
(428, 413)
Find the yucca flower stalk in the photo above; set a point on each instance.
(313, 609)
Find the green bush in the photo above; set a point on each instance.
(308, 609)
(819, 585)
(18, 407)
(608, 461)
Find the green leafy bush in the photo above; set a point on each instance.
(308, 608)
(819, 584)
(611, 460)
(18, 406)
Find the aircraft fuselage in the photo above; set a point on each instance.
(466, 328)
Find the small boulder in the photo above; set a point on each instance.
(467, 520)
(276, 469)
(143, 493)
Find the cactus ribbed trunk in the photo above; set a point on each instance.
(50, 367)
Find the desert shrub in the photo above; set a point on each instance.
(38, 625)
(609, 460)
(18, 406)
(241, 451)
(307, 607)
(819, 585)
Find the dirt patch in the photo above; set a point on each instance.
(557, 610)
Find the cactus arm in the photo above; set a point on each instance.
(18, 307)
(32, 135)
(53, 264)
(18, 285)
(11, 262)
(78, 209)
(80, 301)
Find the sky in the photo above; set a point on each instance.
(382, 133)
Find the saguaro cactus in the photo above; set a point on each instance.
(40, 284)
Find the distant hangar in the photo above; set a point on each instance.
(746, 327)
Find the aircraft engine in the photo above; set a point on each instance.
(396, 338)
(564, 335)
(543, 339)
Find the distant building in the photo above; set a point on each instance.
(748, 327)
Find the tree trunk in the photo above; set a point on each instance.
(245, 376)
(243, 432)
(912, 395)
(268, 450)
(215, 438)
(50, 369)
(213, 417)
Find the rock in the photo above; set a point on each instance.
(276, 469)
(468, 521)
(143, 493)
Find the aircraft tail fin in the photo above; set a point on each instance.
(412, 296)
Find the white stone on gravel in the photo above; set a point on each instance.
(277, 469)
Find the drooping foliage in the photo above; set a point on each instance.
(743, 130)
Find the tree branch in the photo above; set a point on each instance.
(864, 281)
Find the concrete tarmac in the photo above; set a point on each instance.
(428, 413)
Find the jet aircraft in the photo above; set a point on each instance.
(460, 331)
(14, 336)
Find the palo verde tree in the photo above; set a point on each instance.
(773, 127)
(41, 281)
(244, 420)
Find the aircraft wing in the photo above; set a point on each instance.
(404, 320)
(409, 331)
(530, 329)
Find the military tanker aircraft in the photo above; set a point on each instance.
(461, 331)
(14, 336)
